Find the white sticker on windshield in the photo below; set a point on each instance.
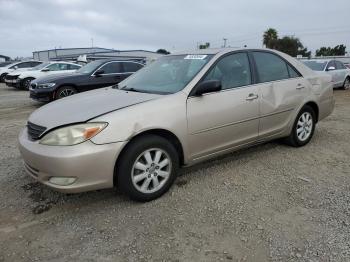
(199, 57)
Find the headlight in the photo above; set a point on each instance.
(46, 85)
(72, 135)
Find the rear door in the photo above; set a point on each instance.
(223, 120)
(282, 90)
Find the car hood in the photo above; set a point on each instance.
(86, 106)
(56, 77)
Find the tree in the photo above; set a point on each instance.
(204, 46)
(270, 37)
(163, 51)
(338, 50)
(289, 44)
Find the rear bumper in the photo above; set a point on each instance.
(12, 83)
(90, 164)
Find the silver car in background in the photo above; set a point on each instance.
(180, 110)
(339, 72)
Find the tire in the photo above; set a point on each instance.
(346, 84)
(26, 83)
(65, 91)
(296, 138)
(2, 78)
(135, 176)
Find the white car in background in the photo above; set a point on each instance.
(22, 79)
(339, 72)
(17, 66)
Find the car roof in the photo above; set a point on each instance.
(318, 60)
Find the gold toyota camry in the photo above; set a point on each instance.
(182, 109)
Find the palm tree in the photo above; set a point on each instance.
(269, 38)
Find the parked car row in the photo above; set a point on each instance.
(22, 79)
(18, 66)
(96, 74)
(339, 72)
(48, 81)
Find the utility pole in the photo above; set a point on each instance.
(92, 42)
(225, 40)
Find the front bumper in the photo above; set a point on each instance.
(42, 95)
(92, 165)
(12, 83)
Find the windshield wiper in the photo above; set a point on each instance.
(131, 89)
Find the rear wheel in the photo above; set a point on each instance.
(303, 128)
(346, 84)
(65, 91)
(26, 82)
(147, 168)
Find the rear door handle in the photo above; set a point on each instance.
(252, 97)
(300, 86)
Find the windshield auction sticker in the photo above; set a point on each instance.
(198, 57)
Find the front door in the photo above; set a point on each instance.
(223, 120)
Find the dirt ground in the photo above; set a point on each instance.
(267, 203)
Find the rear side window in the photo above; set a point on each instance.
(232, 70)
(24, 65)
(131, 67)
(35, 63)
(73, 67)
(111, 68)
(270, 67)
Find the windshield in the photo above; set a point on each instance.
(167, 75)
(89, 68)
(39, 67)
(316, 65)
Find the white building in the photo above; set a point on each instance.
(93, 53)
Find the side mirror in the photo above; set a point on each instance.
(331, 68)
(99, 73)
(45, 70)
(209, 86)
(16, 67)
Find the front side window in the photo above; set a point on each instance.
(292, 72)
(167, 75)
(54, 67)
(89, 68)
(232, 70)
(270, 67)
(34, 63)
(111, 68)
(339, 65)
(331, 65)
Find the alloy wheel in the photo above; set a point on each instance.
(151, 170)
(347, 83)
(304, 126)
(66, 92)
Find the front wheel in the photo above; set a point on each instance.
(346, 84)
(65, 91)
(303, 128)
(26, 83)
(147, 168)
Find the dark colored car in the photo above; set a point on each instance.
(97, 74)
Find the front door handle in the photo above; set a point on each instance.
(300, 86)
(252, 97)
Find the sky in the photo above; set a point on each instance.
(175, 25)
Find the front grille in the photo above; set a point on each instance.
(35, 131)
(11, 77)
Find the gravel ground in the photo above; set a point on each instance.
(267, 203)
